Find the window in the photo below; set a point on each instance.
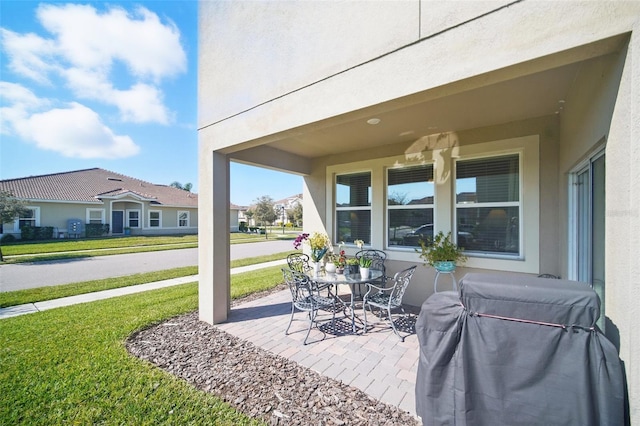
(353, 207)
(155, 218)
(95, 216)
(133, 218)
(587, 234)
(488, 205)
(30, 218)
(183, 219)
(410, 196)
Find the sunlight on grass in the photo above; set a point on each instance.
(40, 294)
(69, 365)
(94, 244)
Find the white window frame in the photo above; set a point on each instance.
(388, 207)
(102, 215)
(444, 176)
(188, 213)
(336, 209)
(36, 209)
(490, 156)
(129, 219)
(159, 218)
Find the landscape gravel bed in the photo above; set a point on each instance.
(254, 381)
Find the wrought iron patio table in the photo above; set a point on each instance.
(322, 279)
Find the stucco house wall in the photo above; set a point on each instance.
(463, 74)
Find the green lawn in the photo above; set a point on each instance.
(69, 365)
(41, 294)
(19, 252)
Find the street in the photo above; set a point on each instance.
(48, 273)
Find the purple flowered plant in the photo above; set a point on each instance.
(299, 240)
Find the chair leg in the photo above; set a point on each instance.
(311, 319)
(364, 311)
(286, 332)
(393, 325)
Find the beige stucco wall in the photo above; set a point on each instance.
(527, 31)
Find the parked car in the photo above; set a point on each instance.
(424, 233)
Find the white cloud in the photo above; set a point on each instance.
(77, 132)
(28, 54)
(73, 131)
(20, 101)
(87, 44)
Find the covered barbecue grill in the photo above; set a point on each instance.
(516, 350)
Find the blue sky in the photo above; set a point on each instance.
(110, 85)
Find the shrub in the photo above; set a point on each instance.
(242, 227)
(31, 233)
(96, 229)
(7, 238)
(27, 233)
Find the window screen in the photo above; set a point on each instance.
(353, 207)
(488, 204)
(410, 197)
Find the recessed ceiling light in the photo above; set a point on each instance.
(373, 121)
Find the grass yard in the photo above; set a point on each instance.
(19, 252)
(40, 294)
(56, 246)
(69, 365)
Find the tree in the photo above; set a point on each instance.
(296, 214)
(186, 187)
(10, 208)
(264, 212)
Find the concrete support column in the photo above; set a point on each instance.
(213, 248)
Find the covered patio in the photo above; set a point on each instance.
(538, 110)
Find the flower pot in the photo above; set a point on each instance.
(445, 266)
(330, 268)
(364, 272)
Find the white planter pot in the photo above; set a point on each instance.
(364, 272)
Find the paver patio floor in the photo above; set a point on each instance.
(377, 362)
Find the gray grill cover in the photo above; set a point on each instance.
(484, 370)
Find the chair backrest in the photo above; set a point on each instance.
(298, 262)
(377, 258)
(401, 281)
(298, 284)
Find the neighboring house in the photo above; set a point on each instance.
(514, 125)
(126, 204)
(283, 206)
(236, 215)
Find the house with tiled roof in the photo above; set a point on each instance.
(69, 201)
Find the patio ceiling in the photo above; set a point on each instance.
(523, 91)
(521, 98)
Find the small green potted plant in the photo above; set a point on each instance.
(443, 254)
(365, 264)
(351, 266)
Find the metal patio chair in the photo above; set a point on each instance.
(388, 299)
(305, 298)
(299, 262)
(378, 257)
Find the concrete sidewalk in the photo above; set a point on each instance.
(29, 308)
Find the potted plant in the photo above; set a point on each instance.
(339, 260)
(319, 244)
(351, 265)
(365, 264)
(442, 253)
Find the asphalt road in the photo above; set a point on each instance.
(39, 274)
